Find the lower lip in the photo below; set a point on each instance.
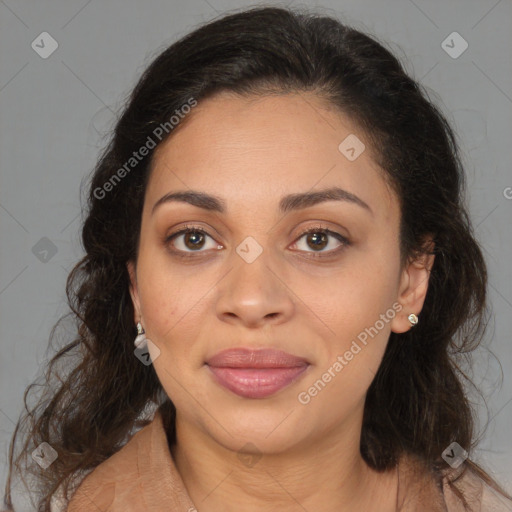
(256, 382)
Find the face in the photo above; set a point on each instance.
(250, 277)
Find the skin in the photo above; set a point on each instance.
(250, 152)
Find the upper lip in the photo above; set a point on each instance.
(255, 358)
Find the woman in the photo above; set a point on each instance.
(278, 260)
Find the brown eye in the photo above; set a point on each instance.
(190, 239)
(194, 239)
(318, 239)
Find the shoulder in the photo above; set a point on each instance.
(114, 480)
(448, 490)
(467, 491)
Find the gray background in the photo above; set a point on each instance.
(55, 113)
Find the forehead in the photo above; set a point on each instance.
(259, 148)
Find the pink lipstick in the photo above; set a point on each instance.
(256, 373)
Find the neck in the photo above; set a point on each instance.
(326, 474)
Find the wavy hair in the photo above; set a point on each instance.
(91, 411)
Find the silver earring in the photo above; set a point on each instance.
(140, 340)
(413, 319)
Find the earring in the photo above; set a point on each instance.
(413, 319)
(140, 340)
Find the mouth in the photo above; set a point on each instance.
(256, 373)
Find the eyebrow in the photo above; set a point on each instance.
(287, 204)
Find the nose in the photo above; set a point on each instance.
(254, 294)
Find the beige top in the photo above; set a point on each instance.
(142, 476)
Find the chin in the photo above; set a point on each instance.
(266, 431)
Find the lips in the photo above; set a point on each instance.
(261, 358)
(255, 373)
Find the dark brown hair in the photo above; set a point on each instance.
(416, 403)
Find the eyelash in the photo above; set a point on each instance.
(314, 254)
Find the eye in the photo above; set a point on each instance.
(190, 239)
(319, 238)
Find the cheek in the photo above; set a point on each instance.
(341, 380)
(173, 306)
(159, 304)
(349, 299)
(170, 294)
(353, 309)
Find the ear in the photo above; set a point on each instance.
(413, 287)
(134, 292)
